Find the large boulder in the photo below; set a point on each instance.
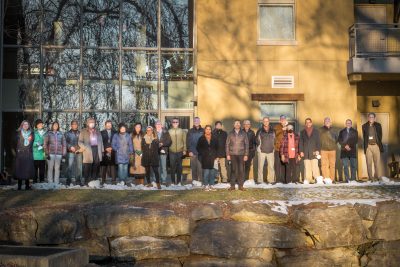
(220, 262)
(332, 227)
(98, 248)
(230, 239)
(387, 221)
(382, 254)
(206, 212)
(58, 226)
(116, 221)
(257, 212)
(18, 227)
(318, 258)
(146, 247)
(159, 263)
(366, 212)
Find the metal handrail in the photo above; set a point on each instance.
(374, 40)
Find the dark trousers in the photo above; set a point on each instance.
(237, 174)
(291, 171)
(175, 160)
(155, 171)
(110, 169)
(40, 166)
(279, 168)
(247, 167)
(20, 184)
(91, 170)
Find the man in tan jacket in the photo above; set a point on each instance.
(177, 150)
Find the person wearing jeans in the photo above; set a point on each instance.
(176, 151)
(55, 147)
(164, 140)
(237, 151)
(123, 147)
(74, 156)
(265, 140)
(348, 138)
(191, 141)
(207, 147)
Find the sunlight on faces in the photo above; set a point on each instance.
(246, 124)
(349, 123)
(308, 123)
(236, 125)
(327, 122)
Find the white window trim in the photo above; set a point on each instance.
(276, 3)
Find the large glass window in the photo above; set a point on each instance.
(276, 22)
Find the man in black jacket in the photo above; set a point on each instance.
(251, 136)
(192, 138)
(372, 135)
(164, 139)
(108, 162)
(348, 138)
(221, 135)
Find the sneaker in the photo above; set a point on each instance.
(212, 188)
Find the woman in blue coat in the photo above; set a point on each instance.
(123, 147)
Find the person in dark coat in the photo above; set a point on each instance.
(150, 157)
(207, 147)
(221, 136)
(373, 147)
(348, 139)
(192, 138)
(310, 147)
(123, 147)
(24, 164)
(251, 136)
(108, 163)
(165, 141)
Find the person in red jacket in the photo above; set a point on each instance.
(289, 151)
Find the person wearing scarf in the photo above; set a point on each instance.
(24, 163)
(207, 146)
(310, 147)
(151, 158)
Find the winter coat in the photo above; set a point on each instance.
(122, 154)
(72, 137)
(136, 167)
(237, 144)
(165, 139)
(378, 130)
(38, 149)
(308, 145)
(108, 159)
(278, 129)
(328, 138)
(85, 147)
(178, 137)
(192, 138)
(265, 141)
(251, 136)
(220, 136)
(284, 149)
(55, 144)
(207, 151)
(150, 153)
(24, 167)
(350, 139)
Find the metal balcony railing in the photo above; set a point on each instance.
(374, 40)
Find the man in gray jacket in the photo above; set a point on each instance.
(237, 151)
(265, 140)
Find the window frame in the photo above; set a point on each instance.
(265, 3)
(275, 120)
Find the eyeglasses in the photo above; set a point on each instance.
(175, 122)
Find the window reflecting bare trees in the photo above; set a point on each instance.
(78, 58)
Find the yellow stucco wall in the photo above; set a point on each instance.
(231, 66)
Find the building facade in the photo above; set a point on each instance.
(142, 60)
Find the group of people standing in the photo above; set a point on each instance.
(91, 153)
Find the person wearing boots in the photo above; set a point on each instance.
(136, 169)
(151, 158)
(123, 147)
(24, 164)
